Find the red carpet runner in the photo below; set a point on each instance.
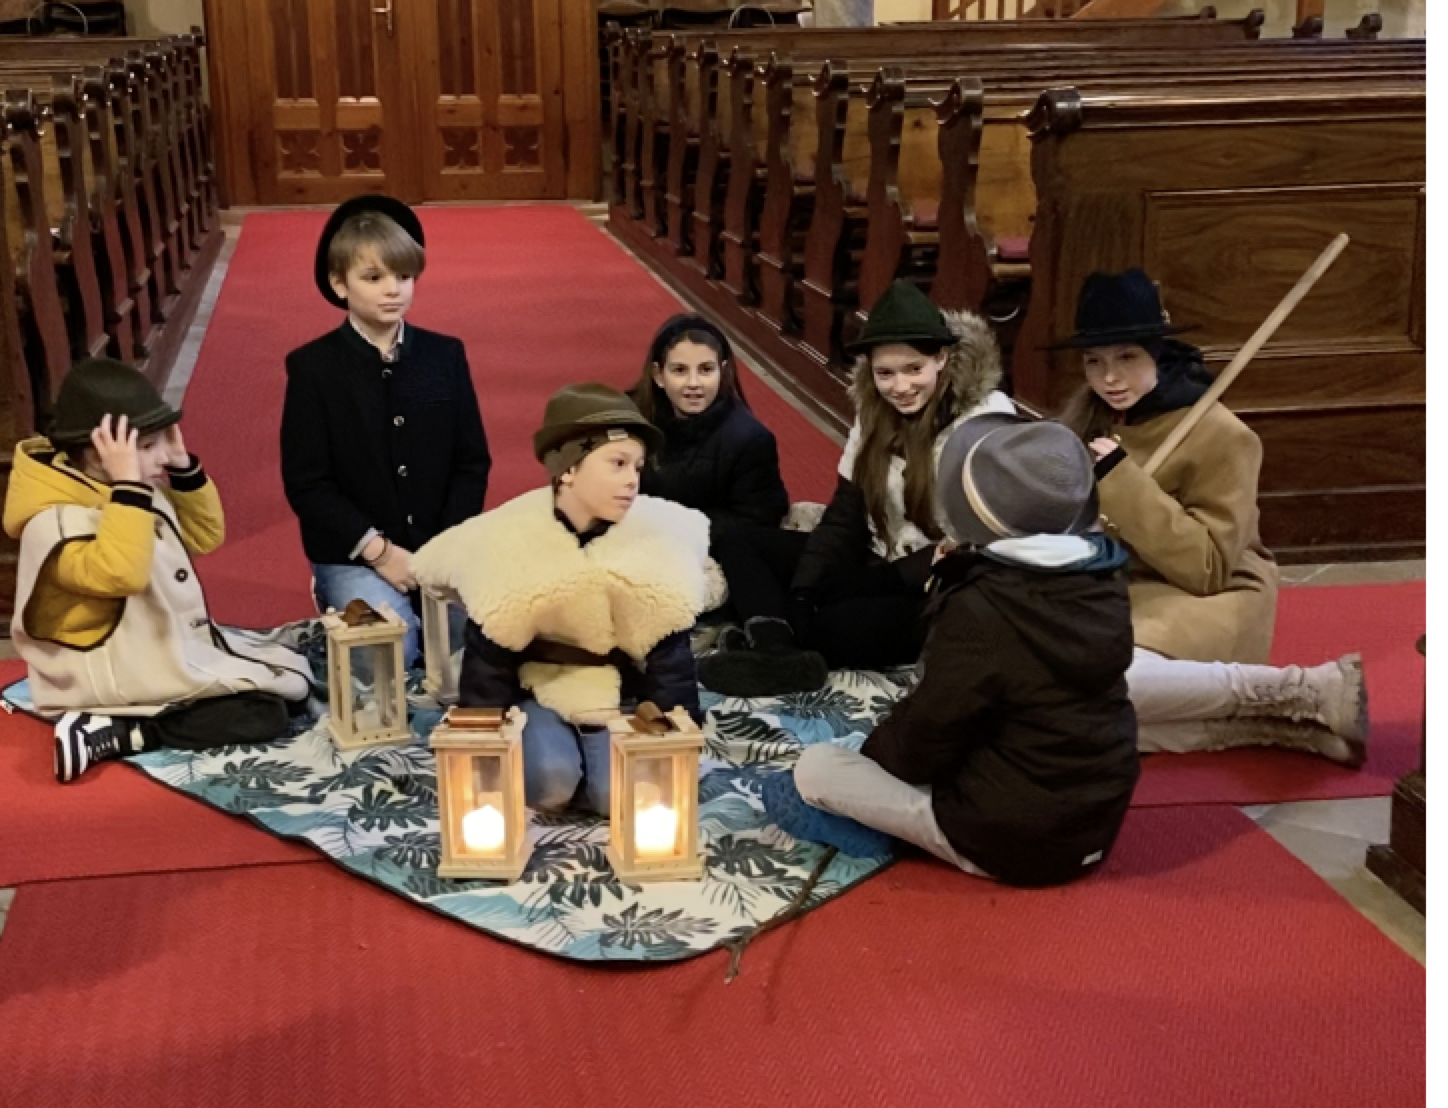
(1204, 967)
(540, 297)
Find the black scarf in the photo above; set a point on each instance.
(1181, 380)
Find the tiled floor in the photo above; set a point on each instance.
(1330, 836)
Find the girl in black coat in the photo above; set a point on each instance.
(718, 458)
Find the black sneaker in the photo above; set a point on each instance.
(82, 740)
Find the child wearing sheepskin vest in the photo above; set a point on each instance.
(579, 596)
(850, 595)
(109, 615)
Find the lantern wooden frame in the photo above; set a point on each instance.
(464, 736)
(440, 682)
(642, 738)
(382, 633)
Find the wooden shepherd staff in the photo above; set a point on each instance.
(1247, 353)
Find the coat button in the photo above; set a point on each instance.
(386, 373)
(398, 421)
(409, 521)
(402, 471)
(182, 575)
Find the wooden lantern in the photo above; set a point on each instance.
(481, 811)
(440, 682)
(359, 720)
(654, 807)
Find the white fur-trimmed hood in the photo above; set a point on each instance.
(522, 575)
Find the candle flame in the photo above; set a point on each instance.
(484, 831)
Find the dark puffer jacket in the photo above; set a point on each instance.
(723, 463)
(1021, 723)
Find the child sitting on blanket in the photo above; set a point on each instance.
(109, 615)
(382, 443)
(580, 596)
(1015, 755)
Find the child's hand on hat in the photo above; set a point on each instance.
(177, 456)
(115, 445)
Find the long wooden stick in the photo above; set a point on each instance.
(1247, 353)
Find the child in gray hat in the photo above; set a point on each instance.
(1015, 755)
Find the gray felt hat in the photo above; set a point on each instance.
(1002, 476)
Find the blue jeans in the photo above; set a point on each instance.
(557, 756)
(333, 586)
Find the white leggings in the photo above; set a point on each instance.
(1172, 698)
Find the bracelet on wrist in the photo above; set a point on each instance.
(373, 563)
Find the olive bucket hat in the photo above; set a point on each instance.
(902, 314)
(98, 387)
(579, 419)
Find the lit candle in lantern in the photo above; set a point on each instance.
(655, 824)
(483, 828)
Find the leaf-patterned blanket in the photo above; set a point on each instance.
(374, 812)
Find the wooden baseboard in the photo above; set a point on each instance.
(166, 345)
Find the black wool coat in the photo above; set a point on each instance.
(1021, 723)
(722, 462)
(399, 447)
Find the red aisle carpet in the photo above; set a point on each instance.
(1204, 967)
(540, 297)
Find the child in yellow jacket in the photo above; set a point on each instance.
(110, 617)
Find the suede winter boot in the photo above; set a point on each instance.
(82, 740)
(1224, 734)
(767, 663)
(1331, 695)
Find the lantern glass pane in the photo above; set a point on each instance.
(374, 702)
(656, 816)
(484, 826)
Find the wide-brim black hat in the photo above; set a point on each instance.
(903, 314)
(393, 209)
(1003, 476)
(1118, 308)
(98, 387)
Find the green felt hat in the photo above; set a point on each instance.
(903, 314)
(578, 420)
(98, 387)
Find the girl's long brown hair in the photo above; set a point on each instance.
(1088, 415)
(884, 433)
(650, 397)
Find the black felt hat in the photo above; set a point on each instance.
(1116, 308)
(902, 314)
(394, 210)
(98, 387)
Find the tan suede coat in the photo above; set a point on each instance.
(1203, 587)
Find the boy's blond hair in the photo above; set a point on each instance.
(396, 249)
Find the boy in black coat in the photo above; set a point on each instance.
(1015, 755)
(382, 442)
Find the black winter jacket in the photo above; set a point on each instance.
(365, 444)
(723, 462)
(489, 677)
(1021, 723)
(840, 560)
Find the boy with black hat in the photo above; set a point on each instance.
(109, 615)
(580, 596)
(382, 442)
(1015, 755)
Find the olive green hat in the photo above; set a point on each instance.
(903, 314)
(98, 387)
(577, 421)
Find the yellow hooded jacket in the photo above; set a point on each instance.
(79, 596)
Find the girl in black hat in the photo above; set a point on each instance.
(1203, 586)
(382, 443)
(853, 589)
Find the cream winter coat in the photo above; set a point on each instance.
(973, 365)
(522, 575)
(163, 651)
